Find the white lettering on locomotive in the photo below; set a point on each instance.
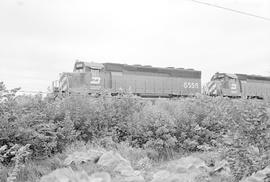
(191, 85)
(95, 80)
(233, 86)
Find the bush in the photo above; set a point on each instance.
(154, 128)
(164, 126)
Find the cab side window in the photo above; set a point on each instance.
(79, 67)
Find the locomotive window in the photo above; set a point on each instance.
(95, 73)
(219, 78)
(79, 66)
(78, 70)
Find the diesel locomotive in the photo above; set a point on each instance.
(145, 81)
(238, 85)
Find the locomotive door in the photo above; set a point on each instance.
(243, 86)
(95, 82)
(233, 87)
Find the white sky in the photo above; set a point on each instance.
(41, 38)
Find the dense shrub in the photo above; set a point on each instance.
(154, 128)
(184, 125)
(24, 120)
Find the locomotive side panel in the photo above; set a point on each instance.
(136, 83)
(256, 88)
(154, 85)
(152, 81)
(106, 77)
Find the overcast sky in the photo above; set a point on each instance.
(41, 38)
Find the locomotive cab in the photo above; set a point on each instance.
(85, 78)
(227, 84)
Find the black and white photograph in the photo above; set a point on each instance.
(135, 91)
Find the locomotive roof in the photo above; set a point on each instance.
(221, 75)
(176, 72)
(94, 65)
(252, 77)
(241, 76)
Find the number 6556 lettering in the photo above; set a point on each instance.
(191, 85)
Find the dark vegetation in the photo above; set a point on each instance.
(239, 129)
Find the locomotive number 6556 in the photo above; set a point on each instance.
(191, 85)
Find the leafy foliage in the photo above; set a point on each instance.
(240, 127)
(154, 128)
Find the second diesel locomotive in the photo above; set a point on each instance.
(238, 85)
